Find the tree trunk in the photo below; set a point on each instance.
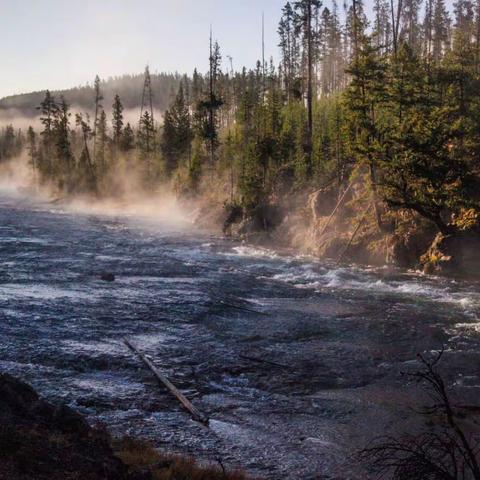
(310, 90)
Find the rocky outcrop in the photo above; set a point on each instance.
(455, 255)
(254, 226)
(40, 441)
(405, 250)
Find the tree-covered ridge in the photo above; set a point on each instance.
(129, 87)
(389, 104)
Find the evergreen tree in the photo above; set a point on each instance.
(410, 30)
(8, 143)
(146, 146)
(441, 28)
(32, 151)
(86, 172)
(64, 156)
(98, 108)
(117, 121)
(177, 133)
(127, 141)
(207, 109)
(48, 109)
(102, 141)
(424, 165)
(364, 97)
(305, 12)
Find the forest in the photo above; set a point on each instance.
(376, 117)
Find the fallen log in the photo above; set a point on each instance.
(194, 412)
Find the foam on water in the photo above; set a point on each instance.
(110, 347)
(231, 430)
(255, 252)
(108, 385)
(417, 287)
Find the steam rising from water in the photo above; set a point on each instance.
(17, 179)
(15, 175)
(19, 120)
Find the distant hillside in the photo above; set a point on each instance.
(129, 87)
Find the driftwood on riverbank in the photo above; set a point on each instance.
(194, 412)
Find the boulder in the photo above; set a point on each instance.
(107, 277)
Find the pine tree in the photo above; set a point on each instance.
(102, 141)
(441, 28)
(32, 152)
(61, 133)
(424, 159)
(117, 121)
(207, 109)
(409, 29)
(8, 143)
(289, 48)
(364, 97)
(382, 27)
(86, 171)
(305, 11)
(48, 109)
(146, 147)
(177, 133)
(127, 141)
(98, 108)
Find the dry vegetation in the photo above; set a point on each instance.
(141, 457)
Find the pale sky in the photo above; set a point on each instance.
(61, 43)
(58, 44)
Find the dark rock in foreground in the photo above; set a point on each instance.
(40, 441)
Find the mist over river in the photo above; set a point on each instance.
(332, 340)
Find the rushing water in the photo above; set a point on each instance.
(204, 309)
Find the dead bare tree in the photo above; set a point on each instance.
(448, 450)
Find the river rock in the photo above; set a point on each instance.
(456, 254)
(107, 277)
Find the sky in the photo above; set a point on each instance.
(61, 43)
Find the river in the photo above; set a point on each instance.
(297, 362)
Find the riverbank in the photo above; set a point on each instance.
(41, 441)
(343, 231)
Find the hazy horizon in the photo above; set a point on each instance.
(57, 44)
